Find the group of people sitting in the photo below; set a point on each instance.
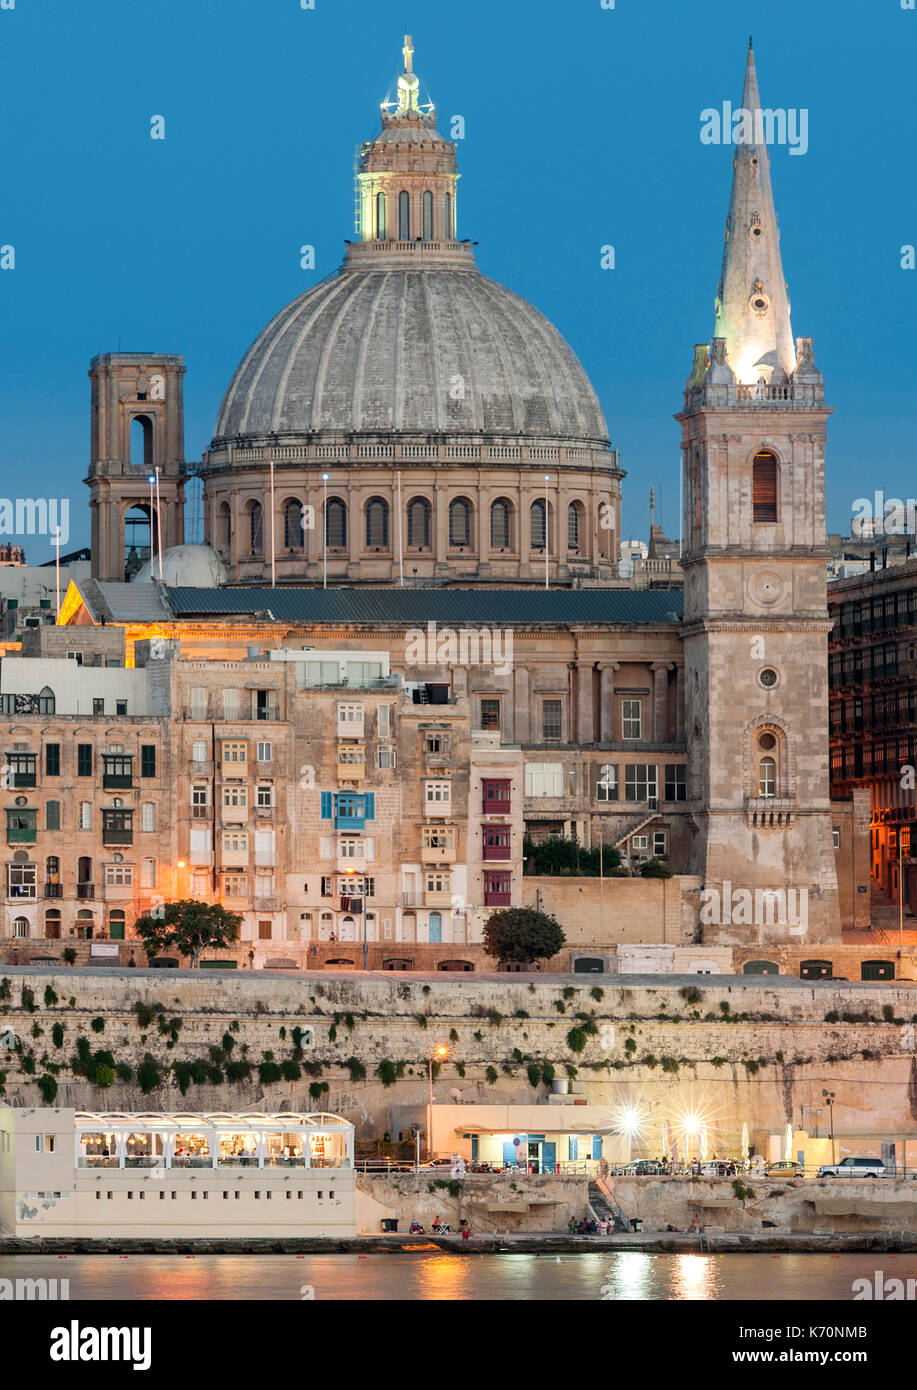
(589, 1227)
(439, 1227)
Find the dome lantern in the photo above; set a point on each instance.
(407, 176)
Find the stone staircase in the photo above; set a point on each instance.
(884, 914)
(604, 1205)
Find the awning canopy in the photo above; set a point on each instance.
(866, 1206)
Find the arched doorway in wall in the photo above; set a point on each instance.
(877, 970)
(815, 970)
(588, 965)
(760, 967)
(435, 927)
(53, 924)
(460, 965)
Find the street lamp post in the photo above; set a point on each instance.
(829, 1097)
(440, 1054)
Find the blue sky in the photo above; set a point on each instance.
(582, 130)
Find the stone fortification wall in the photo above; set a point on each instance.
(752, 1055)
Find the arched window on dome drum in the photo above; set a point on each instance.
(573, 526)
(537, 525)
(380, 216)
(294, 537)
(428, 216)
(224, 525)
(404, 216)
(419, 514)
(377, 523)
(336, 524)
(255, 529)
(448, 230)
(764, 487)
(501, 525)
(767, 777)
(459, 522)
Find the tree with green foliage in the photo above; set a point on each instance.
(558, 857)
(522, 934)
(188, 927)
(654, 868)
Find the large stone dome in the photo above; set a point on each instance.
(388, 345)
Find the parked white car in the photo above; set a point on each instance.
(854, 1168)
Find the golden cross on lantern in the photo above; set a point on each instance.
(408, 52)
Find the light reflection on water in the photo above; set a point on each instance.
(629, 1275)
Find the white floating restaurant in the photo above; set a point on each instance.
(65, 1172)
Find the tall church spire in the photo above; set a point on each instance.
(752, 305)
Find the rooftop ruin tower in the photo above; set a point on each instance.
(756, 620)
(137, 434)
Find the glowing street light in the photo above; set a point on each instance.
(440, 1053)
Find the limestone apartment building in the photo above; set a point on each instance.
(409, 451)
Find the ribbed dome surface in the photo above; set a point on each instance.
(425, 350)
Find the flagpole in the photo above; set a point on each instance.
(547, 538)
(57, 566)
(273, 547)
(158, 528)
(325, 532)
(400, 538)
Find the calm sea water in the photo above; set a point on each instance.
(412, 1277)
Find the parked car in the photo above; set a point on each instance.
(784, 1168)
(718, 1168)
(383, 1165)
(439, 1163)
(641, 1168)
(854, 1168)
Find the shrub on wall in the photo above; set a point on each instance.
(148, 1074)
(48, 1087)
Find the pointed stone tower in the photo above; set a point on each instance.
(756, 621)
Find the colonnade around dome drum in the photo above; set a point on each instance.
(364, 524)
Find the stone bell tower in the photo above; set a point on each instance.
(137, 434)
(756, 622)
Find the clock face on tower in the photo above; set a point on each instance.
(765, 587)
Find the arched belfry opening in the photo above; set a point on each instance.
(139, 537)
(142, 442)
